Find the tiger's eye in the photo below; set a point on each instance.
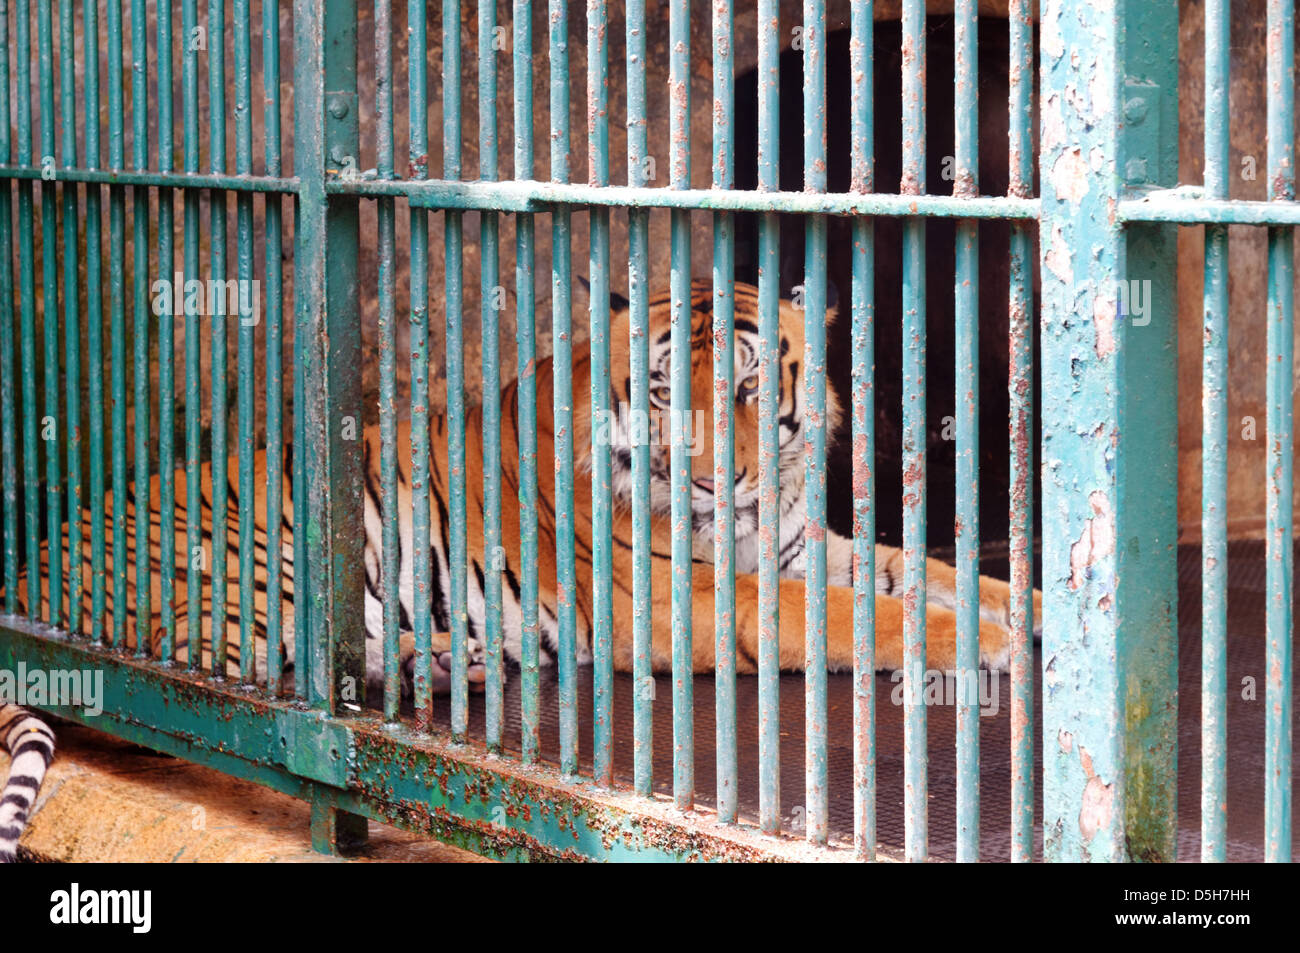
(662, 394)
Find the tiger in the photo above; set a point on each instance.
(30, 744)
(995, 596)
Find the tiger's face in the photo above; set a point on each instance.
(624, 429)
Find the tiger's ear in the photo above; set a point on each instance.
(617, 302)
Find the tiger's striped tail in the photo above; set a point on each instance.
(30, 744)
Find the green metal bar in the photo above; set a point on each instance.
(160, 179)
(1280, 387)
(274, 357)
(769, 410)
(246, 439)
(94, 324)
(862, 65)
(417, 39)
(527, 196)
(1020, 160)
(602, 501)
(166, 347)
(217, 257)
(50, 322)
(364, 767)
(8, 446)
(195, 563)
(27, 312)
(492, 303)
(1184, 206)
(915, 770)
(457, 561)
(816, 792)
(71, 309)
(1214, 450)
(387, 291)
(140, 326)
(724, 417)
(679, 93)
(638, 278)
(562, 386)
(966, 354)
(526, 349)
(117, 319)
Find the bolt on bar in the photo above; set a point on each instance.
(914, 431)
(526, 345)
(457, 558)
(602, 501)
(966, 353)
(417, 41)
(862, 67)
(1020, 369)
(724, 417)
(638, 268)
(816, 794)
(140, 324)
(769, 409)
(679, 105)
(275, 351)
(1279, 386)
(1214, 443)
(71, 310)
(566, 580)
(166, 357)
(491, 306)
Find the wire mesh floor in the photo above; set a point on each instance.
(1246, 589)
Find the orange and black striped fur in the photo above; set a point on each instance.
(30, 745)
(995, 595)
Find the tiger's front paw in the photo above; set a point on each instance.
(441, 665)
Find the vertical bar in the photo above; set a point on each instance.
(966, 354)
(1020, 369)
(140, 325)
(246, 337)
(816, 794)
(220, 533)
(914, 436)
(492, 301)
(274, 355)
(50, 320)
(195, 562)
(457, 563)
(562, 377)
(526, 345)
(769, 409)
(417, 40)
(602, 502)
(724, 416)
(679, 94)
(1214, 450)
(8, 448)
(94, 324)
(862, 54)
(117, 319)
(27, 315)
(638, 268)
(1109, 442)
(1279, 387)
(166, 348)
(388, 505)
(71, 308)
